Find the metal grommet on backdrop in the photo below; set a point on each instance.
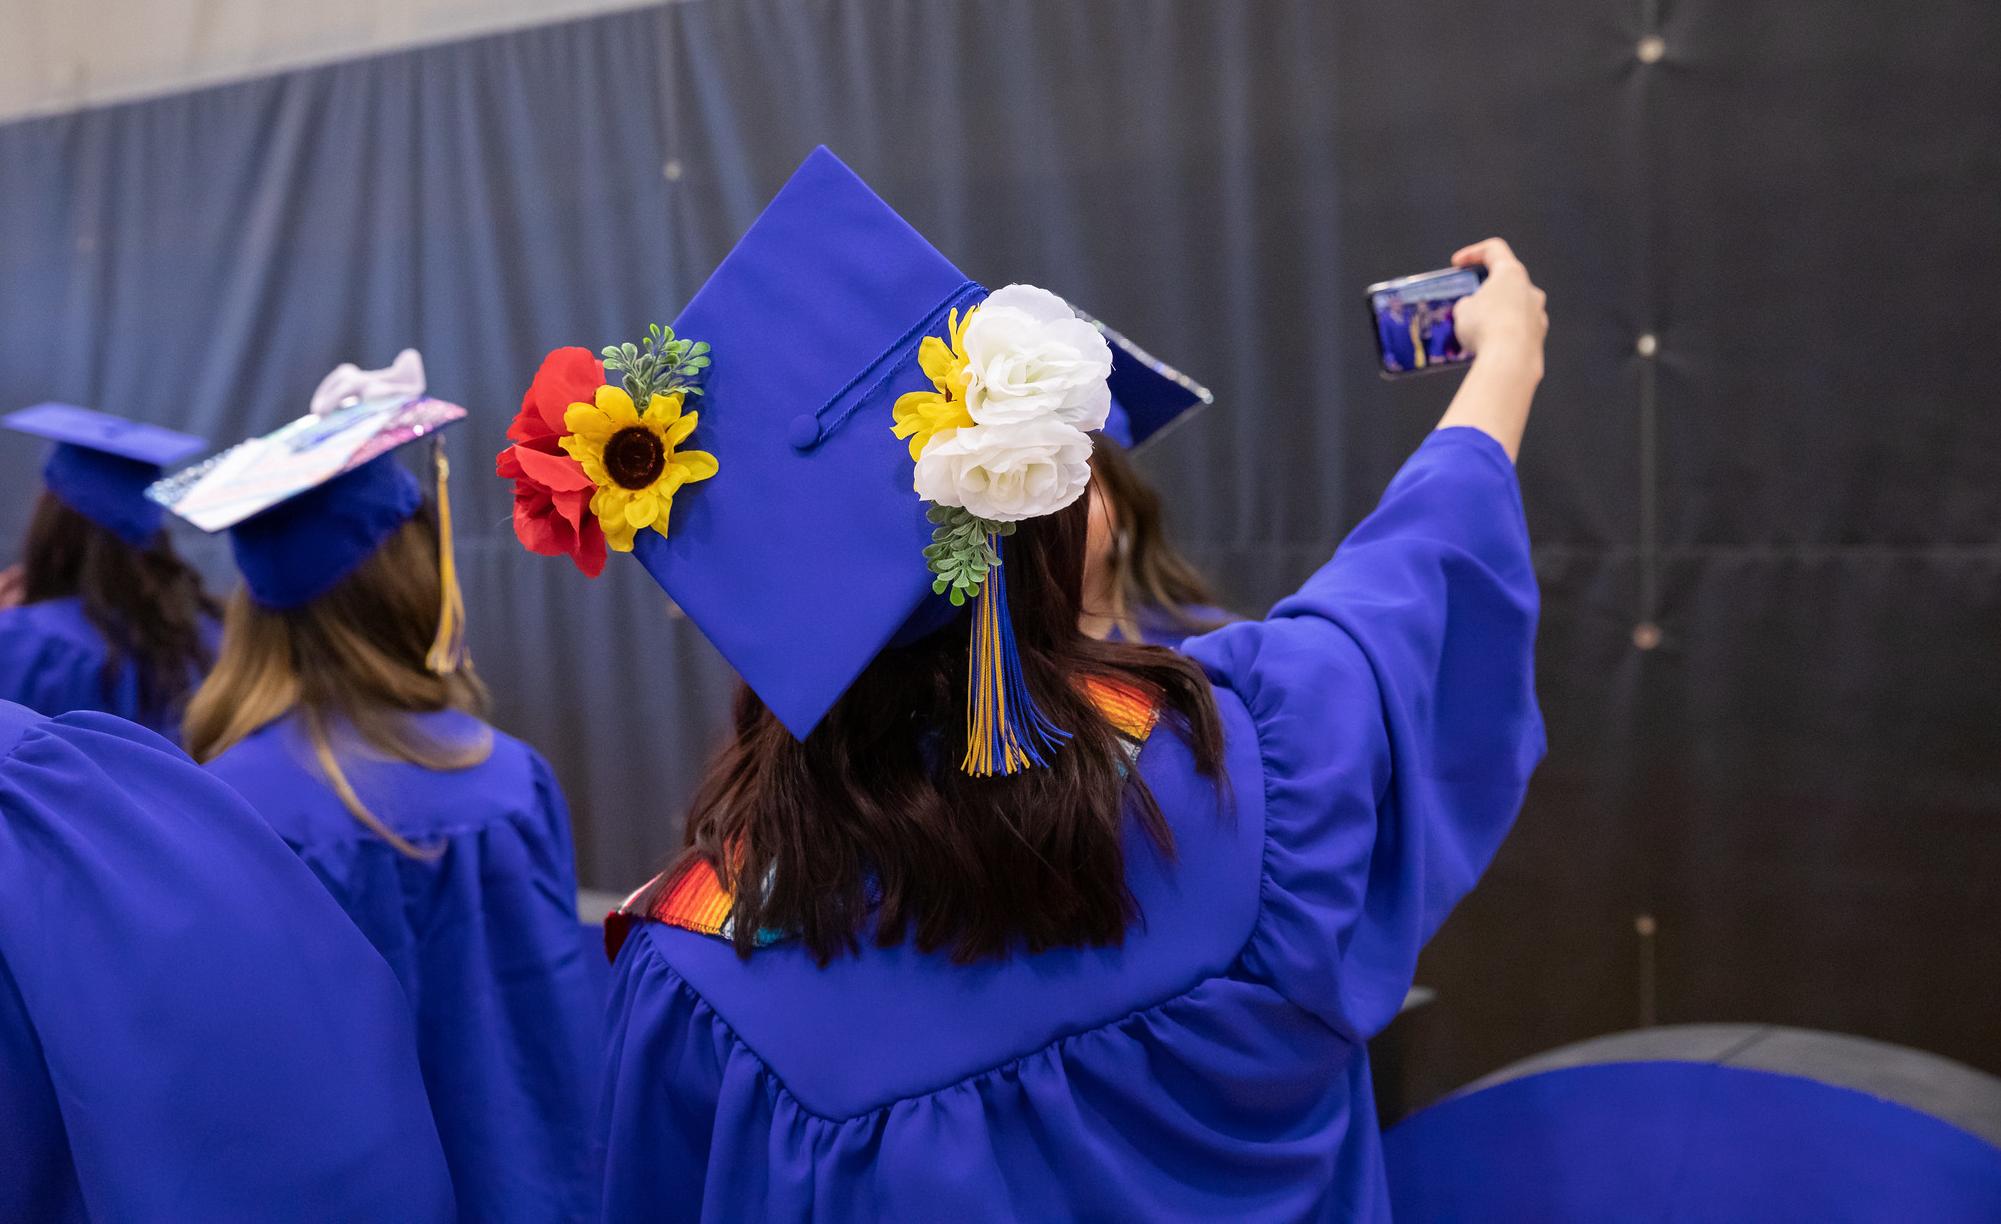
(1648, 345)
(1651, 49)
(1646, 635)
(672, 170)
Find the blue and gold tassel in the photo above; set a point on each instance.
(1005, 732)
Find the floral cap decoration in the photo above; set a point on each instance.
(590, 467)
(872, 404)
(1002, 436)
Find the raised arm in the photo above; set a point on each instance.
(1394, 694)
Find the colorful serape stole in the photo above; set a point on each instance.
(1130, 709)
(697, 901)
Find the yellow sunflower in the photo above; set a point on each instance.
(924, 415)
(630, 456)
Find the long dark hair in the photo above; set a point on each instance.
(871, 819)
(147, 603)
(1146, 574)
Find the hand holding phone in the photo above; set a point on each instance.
(1509, 315)
(1439, 320)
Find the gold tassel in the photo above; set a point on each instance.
(1005, 731)
(448, 649)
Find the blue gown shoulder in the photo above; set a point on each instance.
(52, 661)
(1160, 627)
(174, 988)
(275, 768)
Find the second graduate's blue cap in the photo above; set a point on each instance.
(101, 464)
(301, 548)
(1148, 395)
(306, 505)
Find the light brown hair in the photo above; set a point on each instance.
(1146, 572)
(354, 658)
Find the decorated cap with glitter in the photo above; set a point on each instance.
(101, 465)
(306, 504)
(872, 424)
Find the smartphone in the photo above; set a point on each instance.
(1412, 319)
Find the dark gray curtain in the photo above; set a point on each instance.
(1769, 547)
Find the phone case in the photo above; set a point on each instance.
(1411, 319)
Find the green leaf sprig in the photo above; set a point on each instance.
(659, 364)
(962, 552)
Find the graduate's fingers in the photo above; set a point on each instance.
(1491, 253)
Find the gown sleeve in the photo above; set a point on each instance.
(1394, 701)
(221, 1041)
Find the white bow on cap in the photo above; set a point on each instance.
(349, 384)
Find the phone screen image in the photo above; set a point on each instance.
(1413, 319)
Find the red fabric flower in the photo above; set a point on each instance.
(552, 496)
(568, 376)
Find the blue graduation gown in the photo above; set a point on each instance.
(52, 661)
(1157, 627)
(1381, 727)
(189, 1028)
(1393, 329)
(484, 939)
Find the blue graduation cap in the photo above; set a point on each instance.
(101, 464)
(301, 548)
(306, 504)
(803, 558)
(1148, 395)
(806, 553)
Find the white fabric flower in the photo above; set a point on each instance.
(1007, 472)
(1029, 357)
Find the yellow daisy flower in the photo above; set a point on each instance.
(630, 456)
(923, 416)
